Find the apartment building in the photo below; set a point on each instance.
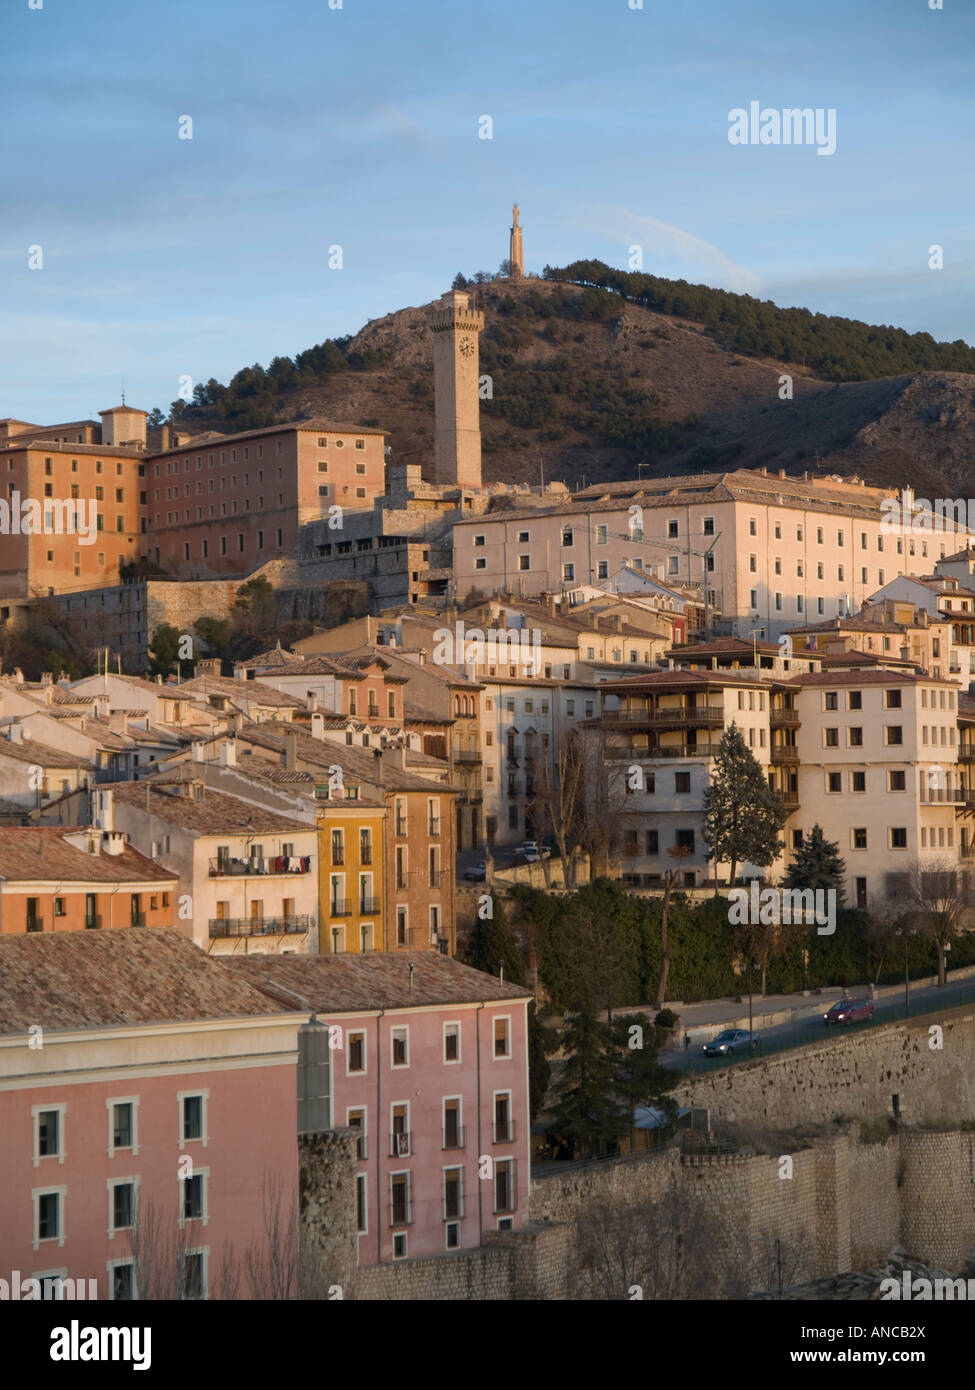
(54, 880)
(45, 482)
(896, 631)
(352, 858)
(870, 754)
(226, 504)
(248, 877)
(431, 1069)
(525, 723)
(32, 774)
(768, 551)
(143, 1088)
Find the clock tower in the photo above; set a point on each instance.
(457, 432)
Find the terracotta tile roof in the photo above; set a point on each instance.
(69, 980)
(216, 814)
(250, 692)
(345, 982)
(33, 751)
(358, 764)
(884, 677)
(316, 424)
(43, 852)
(418, 714)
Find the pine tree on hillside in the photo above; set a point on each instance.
(817, 863)
(742, 815)
(587, 1110)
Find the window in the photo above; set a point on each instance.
(856, 738)
(524, 537)
(193, 1274)
(898, 838)
(453, 1206)
(602, 535)
(860, 837)
(896, 781)
(893, 735)
(834, 781)
(524, 562)
(49, 1214)
(568, 572)
(399, 1207)
(673, 530)
(122, 1125)
(122, 1280)
(451, 1042)
(682, 782)
(192, 1110)
(892, 699)
(502, 1037)
(193, 1201)
(858, 781)
(831, 738)
(400, 1047)
(752, 526)
(121, 1205)
(355, 1053)
(504, 1194)
(854, 699)
(753, 564)
(48, 1132)
(361, 1203)
(831, 700)
(566, 535)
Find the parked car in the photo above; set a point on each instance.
(529, 852)
(477, 873)
(725, 1043)
(849, 1011)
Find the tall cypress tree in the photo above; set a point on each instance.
(742, 815)
(492, 943)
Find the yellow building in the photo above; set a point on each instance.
(352, 886)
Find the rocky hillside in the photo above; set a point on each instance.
(589, 386)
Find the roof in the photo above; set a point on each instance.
(347, 982)
(316, 424)
(231, 688)
(726, 646)
(216, 814)
(43, 852)
(419, 714)
(887, 676)
(358, 764)
(33, 751)
(95, 979)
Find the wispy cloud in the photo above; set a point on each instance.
(658, 238)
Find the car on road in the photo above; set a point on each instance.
(726, 1043)
(849, 1011)
(528, 851)
(477, 873)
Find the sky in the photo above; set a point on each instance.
(360, 127)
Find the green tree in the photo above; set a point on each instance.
(742, 815)
(640, 1078)
(164, 650)
(492, 944)
(155, 418)
(460, 282)
(817, 864)
(539, 1067)
(588, 1112)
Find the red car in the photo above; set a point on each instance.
(849, 1011)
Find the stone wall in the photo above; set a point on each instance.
(855, 1077)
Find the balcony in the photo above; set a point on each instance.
(221, 927)
(93, 923)
(453, 1137)
(401, 827)
(249, 868)
(653, 752)
(434, 826)
(503, 1132)
(967, 851)
(709, 716)
(468, 755)
(784, 753)
(35, 923)
(784, 718)
(367, 906)
(340, 907)
(338, 858)
(435, 879)
(403, 881)
(138, 919)
(790, 800)
(401, 1145)
(966, 753)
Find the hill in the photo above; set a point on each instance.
(597, 373)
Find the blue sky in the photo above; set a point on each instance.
(358, 127)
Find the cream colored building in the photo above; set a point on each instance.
(771, 551)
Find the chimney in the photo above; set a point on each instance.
(318, 726)
(422, 656)
(290, 749)
(118, 721)
(18, 675)
(228, 753)
(113, 842)
(104, 808)
(240, 673)
(208, 666)
(618, 621)
(196, 751)
(313, 701)
(783, 473)
(164, 438)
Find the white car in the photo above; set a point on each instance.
(529, 851)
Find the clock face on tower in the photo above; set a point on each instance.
(467, 347)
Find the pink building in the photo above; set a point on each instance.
(430, 1063)
(227, 504)
(147, 1114)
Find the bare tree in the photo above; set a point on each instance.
(934, 898)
